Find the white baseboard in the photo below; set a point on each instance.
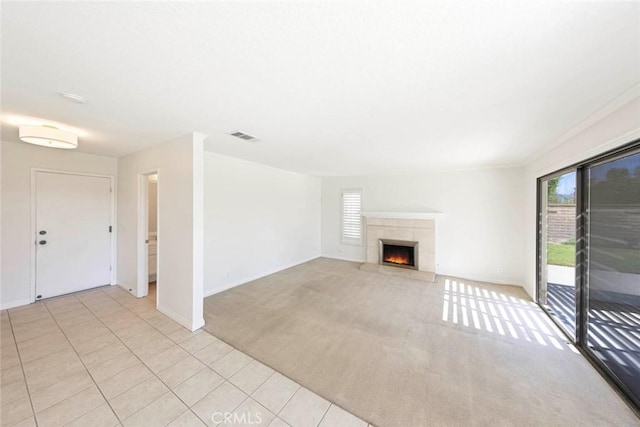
(14, 304)
(342, 258)
(248, 279)
(197, 325)
(192, 326)
(126, 288)
(440, 273)
(484, 279)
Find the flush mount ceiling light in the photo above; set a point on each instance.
(48, 136)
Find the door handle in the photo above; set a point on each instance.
(43, 242)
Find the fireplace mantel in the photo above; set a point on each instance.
(402, 215)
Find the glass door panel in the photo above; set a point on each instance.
(613, 264)
(557, 249)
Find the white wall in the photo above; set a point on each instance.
(258, 220)
(617, 128)
(180, 226)
(17, 161)
(479, 235)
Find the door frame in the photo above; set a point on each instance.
(114, 234)
(142, 250)
(582, 203)
(540, 204)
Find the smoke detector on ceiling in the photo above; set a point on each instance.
(74, 98)
(244, 136)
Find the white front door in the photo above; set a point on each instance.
(73, 235)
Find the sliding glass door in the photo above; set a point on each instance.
(613, 267)
(589, 260)
(557, 228)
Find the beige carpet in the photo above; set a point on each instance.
(402, 352)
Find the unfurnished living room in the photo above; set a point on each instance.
(332, 214)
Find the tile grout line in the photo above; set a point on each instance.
(178, 344)
(90, 311)
(291, 397)
(241, 403)
(136, 356)
(84, 365)
(292, 380)
(261, 384)
(274, 371)
(325, 414)
(238, 388)
(242, 391)
(145, 365)
(227, 380)
(24, 376)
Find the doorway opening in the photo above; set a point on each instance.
(557, 286)
(588, 263)
(148, 235)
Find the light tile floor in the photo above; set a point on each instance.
(105, 358)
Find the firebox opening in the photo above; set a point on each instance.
(399, 253)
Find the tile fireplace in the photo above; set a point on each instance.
(401, 239)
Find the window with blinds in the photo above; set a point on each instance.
(352, 216)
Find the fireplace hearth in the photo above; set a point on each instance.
(399, 253)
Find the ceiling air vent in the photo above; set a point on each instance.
(244, 136)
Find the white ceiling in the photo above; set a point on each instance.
(330, 88)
